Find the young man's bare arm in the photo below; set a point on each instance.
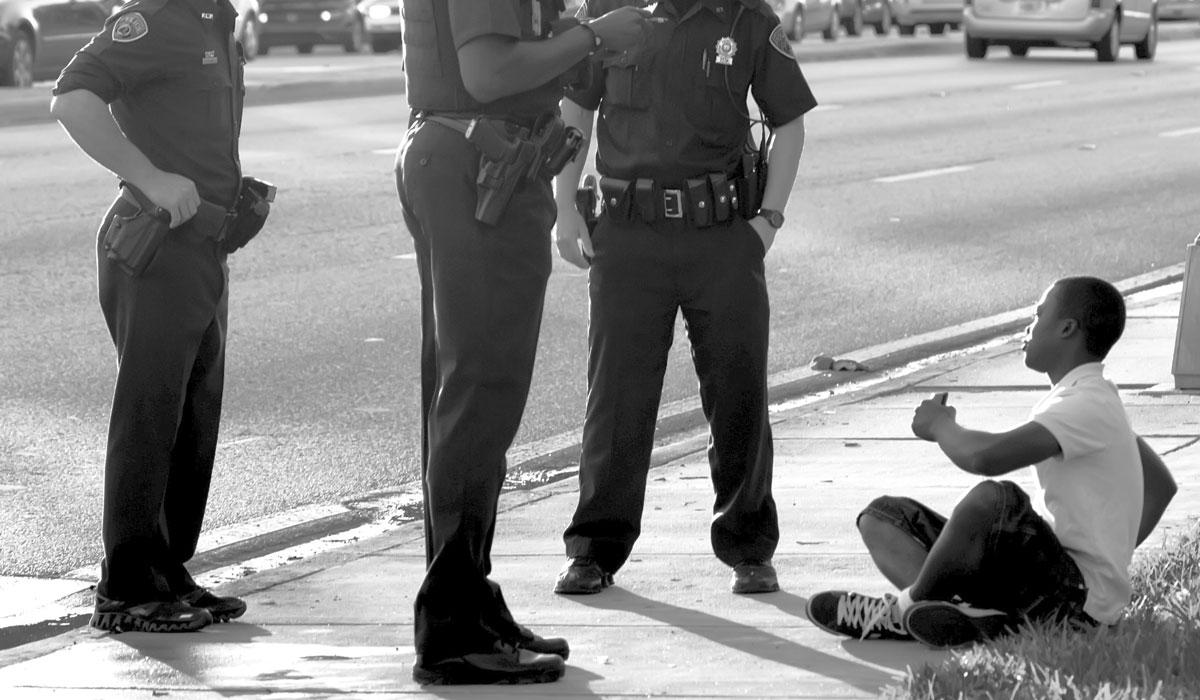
(1158, 489)
(978, 451)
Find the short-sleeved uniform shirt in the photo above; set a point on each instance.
(172, 75)
(1093, 490)
(676, 107)
(433, 32)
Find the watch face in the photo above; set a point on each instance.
(773, 217)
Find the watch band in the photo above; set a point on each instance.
(772, 217)
(597, 42)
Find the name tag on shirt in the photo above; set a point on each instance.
(210, 57)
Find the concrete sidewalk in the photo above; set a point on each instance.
(340, 624)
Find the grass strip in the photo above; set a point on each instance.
(1153, 653)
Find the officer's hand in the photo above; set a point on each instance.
(571, 236)
(622, 29)
(175, 193)
(766, 232)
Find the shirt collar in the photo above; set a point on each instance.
(1087, 369)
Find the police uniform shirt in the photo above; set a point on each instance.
(173, 78)
(676, 106)
(434, 31)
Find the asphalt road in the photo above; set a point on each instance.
(933, 191)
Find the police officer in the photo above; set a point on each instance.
(172, 76)
(681, 229)
(476, 68)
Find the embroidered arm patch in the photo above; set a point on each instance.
(780, 43)
(130, 27)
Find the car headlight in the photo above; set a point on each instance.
(326, 15)
(262, 17)
(379, 11)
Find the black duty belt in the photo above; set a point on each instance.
(210, 220)
(702, 201)
(461, 121)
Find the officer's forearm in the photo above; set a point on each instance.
(784, 161)
(88, 122)
(567, 181)
(496, 66)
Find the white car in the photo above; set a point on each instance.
(381, 20)
(1100, 25)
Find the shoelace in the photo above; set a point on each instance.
(866, 613)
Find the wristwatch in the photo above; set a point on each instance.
(596, 40)
(772, 217)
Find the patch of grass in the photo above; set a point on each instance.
(1153, 653)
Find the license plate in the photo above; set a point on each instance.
(1032, 6)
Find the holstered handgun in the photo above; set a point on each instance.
(132, 240)
(250, 213)
(507, 161)
(587, 199)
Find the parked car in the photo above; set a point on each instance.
(938, 15)
(39, 37)
(306, 23)
(877, 14)
(1100, 25)
(382, 21)
(801, 17)
(1179, 9)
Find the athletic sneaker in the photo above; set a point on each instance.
(857, 615)
(222, 608)
(157, 616)
(940, 624)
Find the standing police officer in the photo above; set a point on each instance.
(484, 78)
(171, 74)
(682, 229)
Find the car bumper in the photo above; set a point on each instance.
(1067, 32)
(904, 13)
(1186, 12)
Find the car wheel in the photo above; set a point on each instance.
(1148, 46)
(937, 28)
(249, 39)
(20, 66)
(906, 29)
(976, 48)
(854, 24)
(794, 27)
(1110, 44)
(884, 25)
(262, 48)
(829, 33)
(304, 48)
(357, 41)
(1018, 50)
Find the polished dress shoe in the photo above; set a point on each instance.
(754, 577)
(582, 576)
(504, 665)
(526, 639)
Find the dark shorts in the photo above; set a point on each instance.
(1024, 570)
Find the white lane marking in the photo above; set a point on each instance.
(405, 256)
(826, 108)
(924, 173)
(1180, 132)
(384, 151)
(1039, 84)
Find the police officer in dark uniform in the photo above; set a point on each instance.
(172, 76)
(682, 229)
(484, 79)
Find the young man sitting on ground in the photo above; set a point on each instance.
(995, 563)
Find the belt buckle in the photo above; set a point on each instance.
(673, 204)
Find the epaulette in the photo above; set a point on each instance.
(760, 6)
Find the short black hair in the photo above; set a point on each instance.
(1098, 308)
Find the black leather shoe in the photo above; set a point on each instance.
(529, 641)
(503, 666)
(582, 576)
(754, 577)
(222, 608)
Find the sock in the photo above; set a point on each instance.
(904, 600)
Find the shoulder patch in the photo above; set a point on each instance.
(780, 43)
(130, 26)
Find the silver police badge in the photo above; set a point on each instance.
(130, 27)
(726, 48)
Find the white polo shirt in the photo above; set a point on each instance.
(1092, 492)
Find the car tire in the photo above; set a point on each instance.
(1109, 45)
(263, 49)
(251, 46)
(1018, 50)
(357, 41)
(19, 72)
(794, 26)
(976, 48)
(829, 33)
(884, 26)
(937, 28)
(304, 48)
(906, 29)
(854, 23)
(1148, 46)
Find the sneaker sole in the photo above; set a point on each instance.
(227, 614)
(752, 590)
(118, 622)
(575, 589)
(943, 626)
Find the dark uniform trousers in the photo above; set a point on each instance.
(642, 275)
(168, 326)
(482, 291)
